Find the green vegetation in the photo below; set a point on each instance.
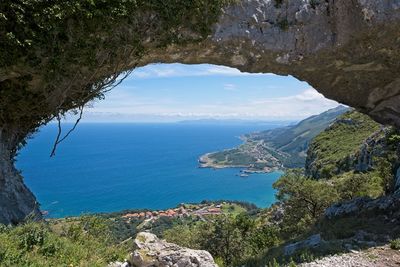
(231, 239)
(270, 149)
(233, 209)
(338, 152)
(295, 139)
(305, 199)
(84, 242)
(350, 185)
(240, 234)
(56, 56)
(333, 150)
(95, 240)
(257, 239)
(395, 244)
(234, 157)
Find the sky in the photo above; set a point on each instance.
(176, 92)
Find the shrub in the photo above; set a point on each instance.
(395, 244)
(63, 243)
(351, 185)
(31, 235)
(230, 239)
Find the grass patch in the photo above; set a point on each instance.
(233, 209)
(83, 242)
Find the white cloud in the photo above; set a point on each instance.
(230, 87)
(308, 95)
(181, 70)
(123, 106)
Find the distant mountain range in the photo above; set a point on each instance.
(274, 149)
(238, 122)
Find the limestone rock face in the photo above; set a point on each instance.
(387, 204)
(17, 203)
(347, 50)
(151, 251)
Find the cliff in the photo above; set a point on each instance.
(353, 143)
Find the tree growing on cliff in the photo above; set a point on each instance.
(304, 200)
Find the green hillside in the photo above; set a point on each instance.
(276, 148)
(296, 138)
(338, 148)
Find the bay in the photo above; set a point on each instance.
(106, 167)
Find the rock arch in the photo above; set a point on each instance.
(61, 55)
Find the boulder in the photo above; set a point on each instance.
(346, 208)
(152, 251)
(311, 242)
(365, 205)
(119, 264)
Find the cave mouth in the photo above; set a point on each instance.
(344, 49)
(174, 101)
(174, 91)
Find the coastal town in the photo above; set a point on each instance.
(182, 211)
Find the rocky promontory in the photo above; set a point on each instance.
(275, 149)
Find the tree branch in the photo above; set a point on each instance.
(58, 140)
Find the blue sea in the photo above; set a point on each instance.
(112, 167)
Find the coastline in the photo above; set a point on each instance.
(196, 209)
(206, 162)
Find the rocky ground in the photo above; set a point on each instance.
(373, 257)
(151, 251)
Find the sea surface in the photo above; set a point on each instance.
(112, 167)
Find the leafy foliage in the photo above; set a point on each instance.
(395, 244)
(56, 56)
(351, 185)
(230, 239)
(83, 242)
(304, 199)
